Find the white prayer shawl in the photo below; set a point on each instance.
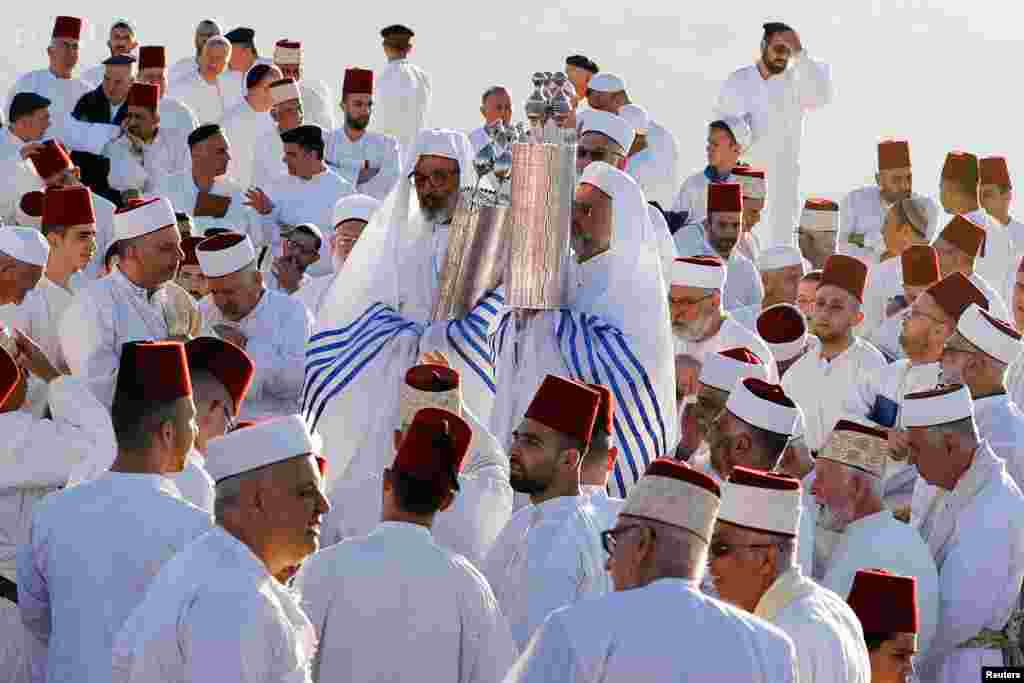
(692, 196)
(777, 108)
(63, 94)
(730, 335)
(18, 176)
(828, 636)
(1001, 424)
(881, 541)
(166, 155)
(651, 176)
(820, 387)
(297, 200)
(175, 115)
(558, 561)
(348, 158)
(268, 165)
(208, 101)
(214, 612)
(977, 538)
(194, 483)
(996, 256)
(626, 634)
(863, 211)
(442, 617)
(312, 292)
(277, 330)
(87, 564)
(893, 382)
(180, 189)
(605, 507)
(665, 150)
(244, 127)
(401, 100)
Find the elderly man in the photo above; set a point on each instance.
(974, 533)
(453, 628)
(863, 211)
(781, 269)
(367, 159)
(316, 96)
(270, 326)
(784, 329)
(131, 304)
(148, 152)
(777, 93)
(657, 553)
(403, 89)
(186, 66)
(248, 122)
(752, 563)
(886, 605)
(288, 112)
(78, 546)
(821, 379)
(549, 554)
(201, 90)
(849, 473)
(121, 42)
(958, 246)
(817, 230)
(726, 141)
(217, 610)
(153, 69)
(495, 106)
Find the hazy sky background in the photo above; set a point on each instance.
(939, 72)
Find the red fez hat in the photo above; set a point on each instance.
(357, 82)
(964, 234)
(748, 476)
(847, 273)
(884, 602)
(152, 57)
(820, 204)
(920, 265)
(606, 410)
(433, 448)
(229, 364)
(993, 171)
(725, 197)
(10, 375)
(849, 426)
(145, 95)
(893, 154)
(431, 377)
(961, 167)
(676, 469)
(242, 424)
(781, 324)
(955, 293)
(748, 172)
(153, 371)
(51, 159)
(743, 355)
(566, 406)
(32, 203)
(64, 206)
(188, 245)
(67, 27)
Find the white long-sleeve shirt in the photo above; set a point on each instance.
(1001, 424)
(268, 165)
(17, 176)
(63, 94)
(244, 128)
(348, 158)
(166, 155)
(214, 613)
(401, 100)
(399, 586)
(87, 564)
(553, 560)
(277, 330)
(317, 104)
(633, 635)
(174, 114)
(208, 101)
(997, 256)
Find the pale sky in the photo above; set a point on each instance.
(933, 71)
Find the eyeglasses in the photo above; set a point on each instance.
(595, 153)
(688, 303)
(718, 549)
(609, 537)
(437, 178)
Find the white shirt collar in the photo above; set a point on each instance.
(406, 528)
(561, 506)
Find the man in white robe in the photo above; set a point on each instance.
(752, 564)
(780, 269)
(153, 69)
(86, 564)
(29, 119)
(975, 535)
(248, 122)
(270, 326)
(777, 93)
(549, 555)
(186, 66)
(755, 192)
(657, 554)
(820, 381)
(287, 112)
(642, 162)
(57, 82)
(599, 462)
(995, 194)
(403, 89)
(244, 56)
(132, 304)
(403, 587)
(121, 42)
(958, 247)
(849, 474)
(727, 139)
(217, 610)
(367, 159)
(495, 106)
(202, 90)
(316, 95)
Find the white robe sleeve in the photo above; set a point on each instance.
(280, 366)
(87, 338)
(317, 109)
(34, 593)
(387, 177)
(81, 136)
(812, 80)
(549, 658)
(866, 388)
(486, 650)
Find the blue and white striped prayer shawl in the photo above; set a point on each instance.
(335, 357)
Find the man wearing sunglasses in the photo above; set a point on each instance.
(657, 553)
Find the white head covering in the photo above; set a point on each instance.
(763, 508)
(686, 273)
(262, 444)
(995, 337)
(940, 406)
(723, 372)
(776, 258)
(226, 260)
(614, 126)
(760, 412)
(636, 116)
(282, 92)
(143, 219)
(740, 128)
(355, 207)
(606, 82)
(24, 244)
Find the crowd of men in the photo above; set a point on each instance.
(768, 438)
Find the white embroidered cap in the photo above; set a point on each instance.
(287, 52)
(355, 207)
(614, 126)
(704, 272)
(937, 406)
(606, 82)
(763, 405)
(820, 215)
(225, 253)
(284, 90)
(24, 244)
(143, 218)
(262, 444)
(995, 337)
(776, 258)
(761, 501)
(724, 369)
(674, 493)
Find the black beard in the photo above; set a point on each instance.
(528, 486)
(357, 124)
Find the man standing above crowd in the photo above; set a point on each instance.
(122, 43)
(495, 106)
(201, 90)
(403, 89)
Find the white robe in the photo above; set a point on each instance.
(633, 635)
(233, 88)
(1015, 381)
(828, 636)
(606, 508)
(63, 94)
(39, 315)
(863, 211)
(194, 483)
(268, 165)
(692, 196)
(976, 535)
(180, 189)
(556, 560)
(18, 177)
(1001, 424)
(661, 185)
(208, 101)
(996, 304)
(36, 459)
(885, 281)
(347, 158)
(401, 100)
(999, 257)
(166, 155)
(214, 613)
(183, 68)
(883, 542)
(399, 586)
(87, 564)
(777, 108)
(174, 114)
(317, 104)
(479, 138)
(652, 178)
(820, 387)
(730, 335)
(245, 128)
(277, 330)
(312, 293)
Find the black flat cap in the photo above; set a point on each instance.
(775, 27)
(119, 60)
(241, 34)
(24, 103)
(396, 31)
(203, 132)
(582, 62)
(304, 135)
